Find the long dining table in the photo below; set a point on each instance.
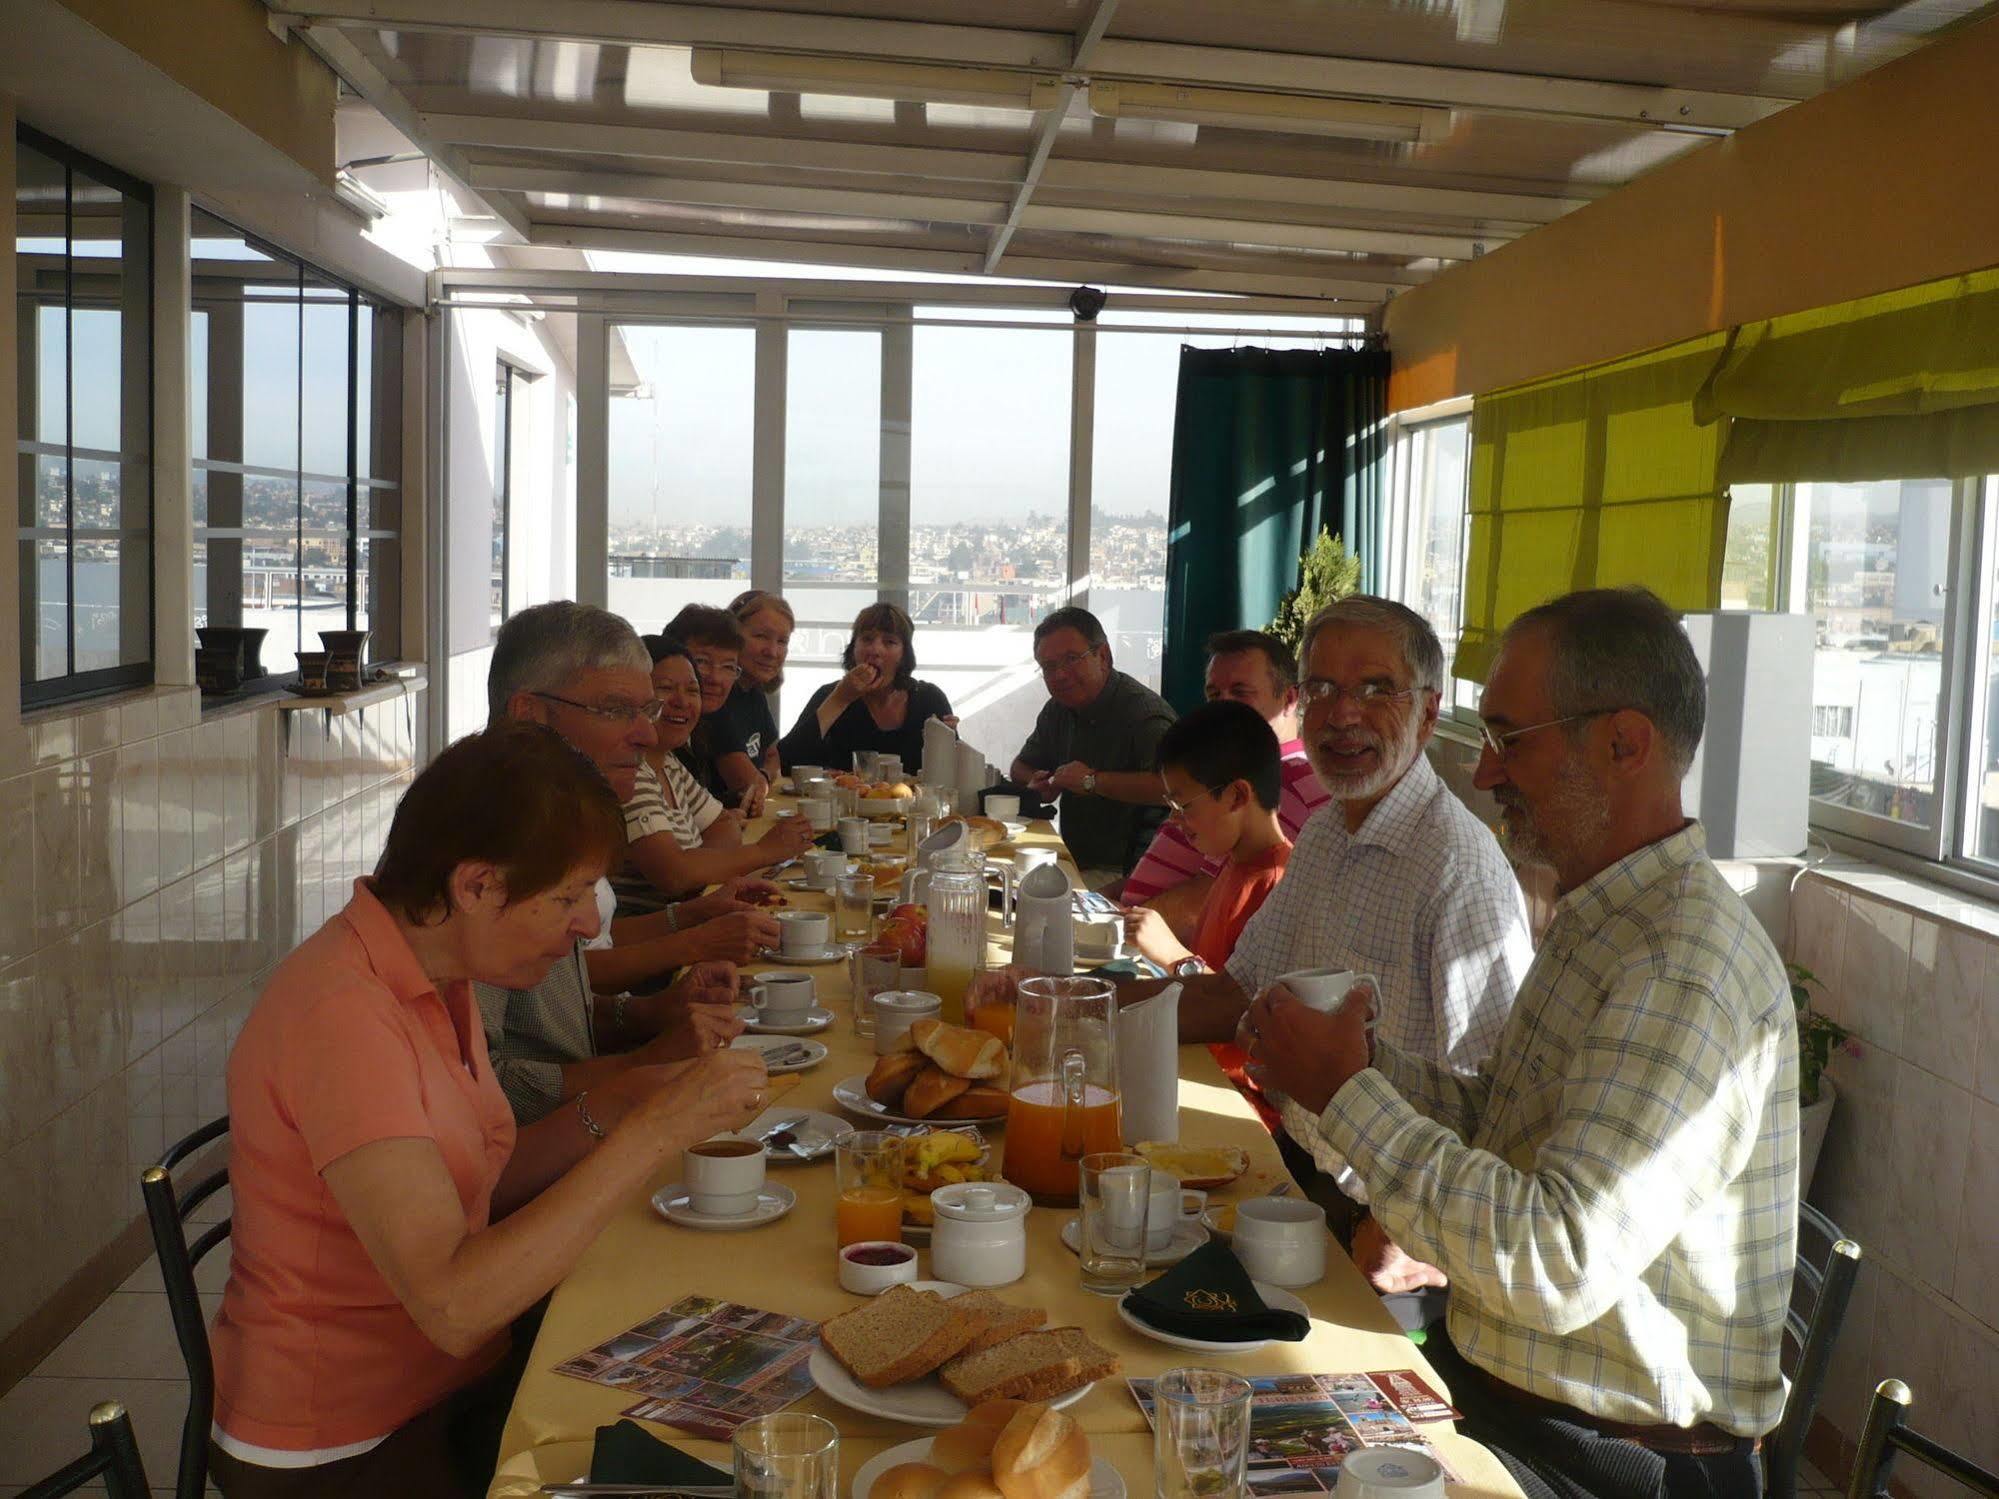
(641, 1264)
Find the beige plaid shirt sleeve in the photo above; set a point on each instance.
(1614, 1195)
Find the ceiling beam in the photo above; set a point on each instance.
(1049, 128)
(951, 262)
(338, 51)
(654, 22)
(775, 197)
(640, 142)
(1253, 232)
(581, 137)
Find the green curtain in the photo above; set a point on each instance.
(1597, 477)
(1904, 385)
(1268, 447)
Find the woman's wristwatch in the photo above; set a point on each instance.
(1186, 968)
(1089, 783)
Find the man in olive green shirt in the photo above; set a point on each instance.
(1096, 745)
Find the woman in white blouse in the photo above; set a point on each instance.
(677, 835)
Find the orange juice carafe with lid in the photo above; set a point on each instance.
(1064, 1101)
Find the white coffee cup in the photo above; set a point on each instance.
(1168, 1206)
(854, 835)
(1099, 937)
(806, 932)
(784, 998)
(896, 1010)
(1000, 808)
(1281, 1240)
(818, 811)
(723, 1176)
(889, 767)
(801, 773)
(1390, 1473)
(823, 866)
(1027, 860)
(1325, 989)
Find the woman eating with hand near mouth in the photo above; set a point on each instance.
(878, 705)
(679, 839)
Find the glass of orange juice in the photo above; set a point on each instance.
(867, 1167)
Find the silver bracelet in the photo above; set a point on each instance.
(583, 1113)
(618, 1004)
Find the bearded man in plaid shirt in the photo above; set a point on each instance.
(1613, 1195)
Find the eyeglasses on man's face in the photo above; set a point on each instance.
(1502, 742)
(1061, 664)
(618, 713)
(1322, 691)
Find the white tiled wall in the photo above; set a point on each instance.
(154, 866)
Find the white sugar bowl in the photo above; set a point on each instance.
(980, 1236)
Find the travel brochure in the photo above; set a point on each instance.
(703, 1365)
(1302, 1426)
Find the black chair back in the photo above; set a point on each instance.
(167, 1209)
(1828, 1263)
(1885, 1435)
(113, 1457)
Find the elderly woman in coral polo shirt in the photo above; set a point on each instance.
(390, 1221)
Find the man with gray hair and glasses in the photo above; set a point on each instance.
(1614, 1194)
(584, 673)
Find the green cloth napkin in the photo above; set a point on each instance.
(628, 1453)
(1209, 1295)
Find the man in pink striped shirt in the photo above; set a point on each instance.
(1244, 666)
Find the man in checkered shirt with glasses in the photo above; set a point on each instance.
(1613, 1195)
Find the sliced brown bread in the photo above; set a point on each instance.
(1039, 1365)
(998, 1320)
(901, 1334)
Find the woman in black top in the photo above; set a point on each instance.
(877, 705)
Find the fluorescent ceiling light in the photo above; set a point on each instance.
(1293, 114)
(864, 78)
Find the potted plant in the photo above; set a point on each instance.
(1819, 1035)
(1327, 573)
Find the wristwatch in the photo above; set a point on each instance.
(1186, 968)
(1089, 783)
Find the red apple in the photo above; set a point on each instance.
(918, 915)
(909, 940)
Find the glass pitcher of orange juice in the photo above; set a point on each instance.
(1064, 1100)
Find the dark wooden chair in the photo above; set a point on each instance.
(1885, 1435)
(167, 1209)
(113, 1457)
(1828, 1263)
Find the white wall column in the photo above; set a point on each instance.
(593, 459)
(892, 525)
(1082, 455)
(767, 445)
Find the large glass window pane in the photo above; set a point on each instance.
(679, 470)
(45, 610)
(1438, 456)
(1981, 819)
(1748, 560)
(989, 517)
(1876, 567)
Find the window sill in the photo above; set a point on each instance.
(399, 684)
(405, 678)
(1943, 893)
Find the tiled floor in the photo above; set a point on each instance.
(126, 1350)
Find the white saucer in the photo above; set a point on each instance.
(773, 1202)
(815, 1051)
(816, 1019)
(810, 958)
(919, 1402)
(1105, 1481)
(1274, 1297)
(815, 1134)
(1188, 1236)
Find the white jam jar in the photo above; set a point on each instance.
(980, 1237)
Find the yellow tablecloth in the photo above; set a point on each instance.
(642, 1264)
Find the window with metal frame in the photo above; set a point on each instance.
(296, 403)
(83, 263)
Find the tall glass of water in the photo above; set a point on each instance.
(787, 1456)
(877, 968)
(1200, 1434)
(867, 764)
(854, 907)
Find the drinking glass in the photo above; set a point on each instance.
(989, 1001)
(876, 969)
(921, 825)
(1200, 1434)
(854, 907)
(867, 1171)
(868, 764)
(787, 1456)
(1116, 1189)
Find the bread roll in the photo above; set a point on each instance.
(891, 1075)
(930, 1091)
(994, 1413)
(968, 1445)
(975, 1483)
(1042, 1454)
(909, 1481)
(979, 1101)
(960, 1050)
